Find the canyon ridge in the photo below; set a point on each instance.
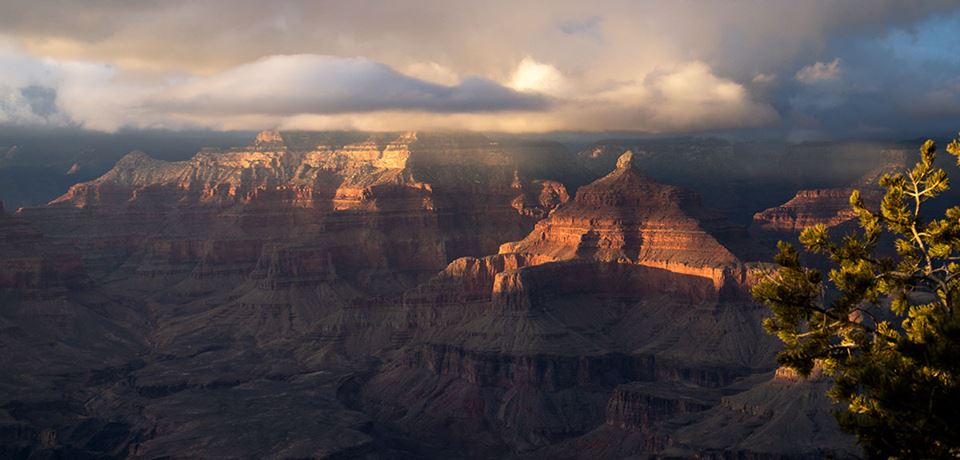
(414, 295)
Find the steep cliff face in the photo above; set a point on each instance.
(827, 206)
(528, 380)
(622, 234)
(645, 406)
(759, 422)
(32, 264)
(830, 207)
(382, 212)
(55, 326)
(626, 218)
(554, 336)
(387, 288)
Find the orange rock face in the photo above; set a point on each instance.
(830, 207)
(524, 342)
(626, 218)
(382, 211)
(622, 231)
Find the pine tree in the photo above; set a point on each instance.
(883, 323)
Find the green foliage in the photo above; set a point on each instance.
(884, 328)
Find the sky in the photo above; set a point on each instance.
(804, 69)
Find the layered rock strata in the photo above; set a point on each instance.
(623, 233)
(33, 264)
(319, 277)
(380, 212)
(588, 321)
(830, 207)
(826, 206)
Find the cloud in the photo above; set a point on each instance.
(431, 72)
(819, 72)
(29, 105)
(325, 92)
(764, 78)
(591, 26)
(681, 98)
(305, 83)
(42, 100)
(250, 96)
(537, 77)
(685, 97)
(15, 108)
(498, 64)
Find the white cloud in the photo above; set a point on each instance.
(250, 96)
(685, 97)
(533, 76)
(819, 72)
(323, 92)
(15, 108)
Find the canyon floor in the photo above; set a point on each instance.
(413, 295)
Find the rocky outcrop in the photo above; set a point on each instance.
(621, 233)
(556, 334)
(761, 421)
(32, 263)
(646, 406)
(382, 212)
(830, 207)
(826, 206)
(539, 197)
(411, 295)
(626, 218)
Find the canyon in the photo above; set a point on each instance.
(403, 295)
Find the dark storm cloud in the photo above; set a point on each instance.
(42, 100)
(873, 88)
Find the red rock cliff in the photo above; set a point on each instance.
(382, 211)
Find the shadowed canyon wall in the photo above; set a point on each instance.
(348, 295)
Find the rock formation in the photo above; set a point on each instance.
(830, 207)
(827, 206)
(32, 264)
(347, 295)
(761, 421)
(383, 211)
(643, 235)
(626, 218)
(618, 310)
